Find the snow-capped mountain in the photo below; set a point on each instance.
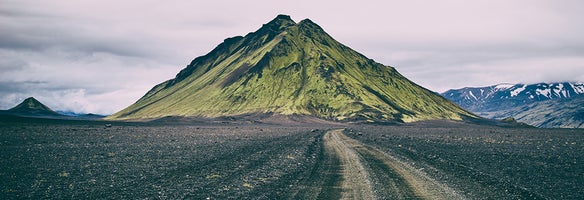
(502, 96)
(546, 105)
(554, 113)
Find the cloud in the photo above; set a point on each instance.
(101, 56)
(452, 68)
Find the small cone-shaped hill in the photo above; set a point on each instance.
(31, 106)
(290, 68)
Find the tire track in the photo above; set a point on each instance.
(355, 183)
(393, 178)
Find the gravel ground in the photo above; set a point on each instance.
(87, 160)
(483, 162)
(155, 162)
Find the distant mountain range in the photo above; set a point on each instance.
(543, 104)
(31, 107)
(290, 69)
(554, 113)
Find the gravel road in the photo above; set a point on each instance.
(394, 178)
(356, 183)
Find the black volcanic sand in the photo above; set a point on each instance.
(487, 162)
(72, 159)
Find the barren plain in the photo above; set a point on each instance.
(59, 159)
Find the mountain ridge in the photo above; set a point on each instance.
(545, 105)
(290, 68)
(553, 113)
(500, 96)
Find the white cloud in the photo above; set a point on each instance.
(80, 82)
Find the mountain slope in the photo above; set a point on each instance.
(32, 107)
(554, 113)
(290, 68)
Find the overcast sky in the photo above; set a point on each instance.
(101, 56)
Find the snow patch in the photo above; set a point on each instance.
(578, 87)
(544, 92)
(518, 90)
(559, 90)
(472, 95)
(503, 86)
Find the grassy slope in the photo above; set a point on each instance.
(290, 68)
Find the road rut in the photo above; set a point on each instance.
(369, 173)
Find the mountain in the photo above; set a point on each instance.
(554, 113)
(290, 69)
(503, 96)
(79, 115)
(32, 107)
(543, 105)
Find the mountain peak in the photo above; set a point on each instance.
(32, 106)
(283, 17)
(307, 21)
(279, 23)
(32, 103)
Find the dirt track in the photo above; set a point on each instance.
(356, 182)
(395, 179)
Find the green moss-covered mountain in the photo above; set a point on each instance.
(290, 68)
